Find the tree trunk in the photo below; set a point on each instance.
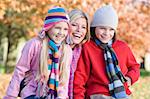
(7, 57)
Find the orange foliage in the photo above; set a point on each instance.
(134, 16)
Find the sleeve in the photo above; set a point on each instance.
(133, 67)
(63, 89)
(22, 66)
(81, 75)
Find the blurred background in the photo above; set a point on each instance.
(21, 20)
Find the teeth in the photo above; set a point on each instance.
(59, 36)
(104, 37)
(77, 35)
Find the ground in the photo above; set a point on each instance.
(140, 90)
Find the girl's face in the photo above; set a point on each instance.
(58, 32)
(104, 34)
(79, 30)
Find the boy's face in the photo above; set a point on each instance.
(104, 34)
(58, 32)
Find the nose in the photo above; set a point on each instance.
(106, 31)
(60, 32)
(78, 28)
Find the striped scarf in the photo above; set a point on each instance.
(53, 68)
(116, 78)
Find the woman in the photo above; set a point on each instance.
(80, 34)
(106, 67)
(48, 58)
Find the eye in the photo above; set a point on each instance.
(66, 29)
(73, 24)
(101, 27)
(112, 30)
(57, 27)
(84, 27)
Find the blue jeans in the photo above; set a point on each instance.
(34, 97)
(30, 97)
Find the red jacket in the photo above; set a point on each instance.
(91, 76)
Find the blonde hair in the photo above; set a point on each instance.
(64, 62)
(75, 14)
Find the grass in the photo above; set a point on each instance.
(144, 73)
(141, 89)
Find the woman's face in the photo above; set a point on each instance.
(104, 34)
(79, 30)
(59, 32)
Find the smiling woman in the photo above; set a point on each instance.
(79, 28)
(80, 34)
(80, 25)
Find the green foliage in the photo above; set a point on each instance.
(2, 69)
(144, 73)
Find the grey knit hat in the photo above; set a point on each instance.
(105, 16)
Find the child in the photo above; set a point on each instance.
(106, 67)
(80, 34)
(48, 58)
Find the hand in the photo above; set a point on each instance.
(9, 97)
(128, 81)
(28, 77)
(25, 81)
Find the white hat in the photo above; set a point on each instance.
(105, 16)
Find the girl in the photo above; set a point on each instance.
(80, 28)
(48, 58)
(106, 67)
(80, 34)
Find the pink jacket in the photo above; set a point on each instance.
(29, 60)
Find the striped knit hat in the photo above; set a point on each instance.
(54, 16)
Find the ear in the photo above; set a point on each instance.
(69, 40)
(42, 34)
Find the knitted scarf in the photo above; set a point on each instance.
(75, 58)
(116, 78)
(53, 68)
(49, 89)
